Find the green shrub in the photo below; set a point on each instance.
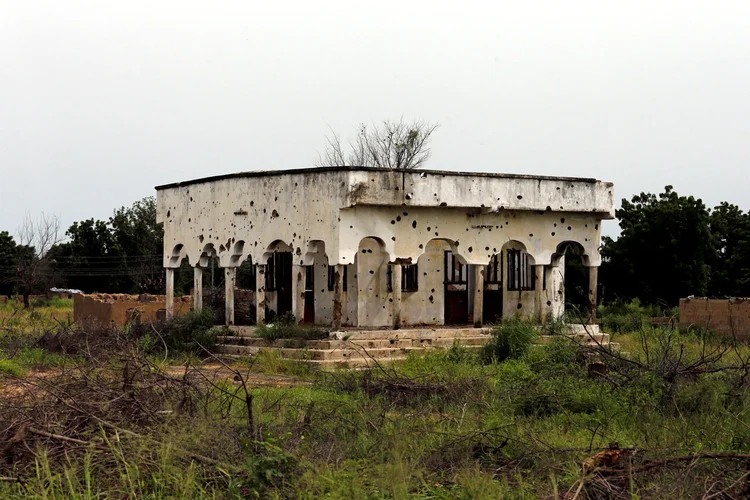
(186, 334)
(511, 339)
(286, 327)
(10, 367)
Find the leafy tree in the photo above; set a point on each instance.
(730, 267)
(7, 263)
(664, 251)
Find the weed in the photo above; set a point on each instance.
(511, 339)
(286, 327)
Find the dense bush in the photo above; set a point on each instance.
(511, 339)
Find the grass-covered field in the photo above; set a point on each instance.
(124, 415)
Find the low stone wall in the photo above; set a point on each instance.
(725, 316)
(106, 309)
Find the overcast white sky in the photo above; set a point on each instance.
(100, 100)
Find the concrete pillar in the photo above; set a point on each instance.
(338, 274)
(230, 274)
(197, 289)
(260, 294)
(593, 284)
(479, 273)
(298, 292)
(396, 278)
(539, 293)
(169, 299)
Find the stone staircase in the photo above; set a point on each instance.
(366, 347)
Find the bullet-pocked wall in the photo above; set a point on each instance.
(326, 217)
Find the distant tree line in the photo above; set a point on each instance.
(670, 246)
(673, 246)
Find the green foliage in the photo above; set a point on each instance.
(730, 267)
(10, 367)
(511, 339)
(191, 333)
(286, 327)
(663, 252)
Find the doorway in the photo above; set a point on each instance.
(456, 290)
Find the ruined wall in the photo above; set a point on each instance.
(244, 216)
(426, 305)
(725, 316)
(120, 309)
(372, 266)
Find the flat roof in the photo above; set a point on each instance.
(315, 170)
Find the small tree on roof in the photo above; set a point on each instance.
(389, 145)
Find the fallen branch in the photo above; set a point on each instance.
(613, 471)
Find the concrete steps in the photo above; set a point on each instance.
(356, 348)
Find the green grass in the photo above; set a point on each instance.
(513, 422)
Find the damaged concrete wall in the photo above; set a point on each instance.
(728, 317)
(118, 310)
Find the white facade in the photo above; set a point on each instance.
(375, 220)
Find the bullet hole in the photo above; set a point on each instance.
(585, 239)
(506, 222)
(364, 251)
(390, 300)
(264, 210)
(470, 249)
(596, 226)
(351, 227)
(561, 207)
(569, 228)
(406, 213)
(252, 203)
(558, 189)
(443, 204)
(519, 306)
(200, 238)
(421, 246)
(414, 224)
(467, 229)
(487, 248)
(519, 197)
(168, 212)
(457, 242)
(274, 213)
(549, 208)
(190, 220)
(531, 235)
(549, 303)
(429, 228)
(393, 222)
(398, 218)
(372, 272)
(393, 238)
(408, 197)
(431, 299)
(369, 250)
(553, 233)
(436, 233)
(434, 194)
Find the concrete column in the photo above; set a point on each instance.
(197, 289)
(230, 274)
(169, 299)
(593, 282)
(260, 294)
(338, 274)
(396, 277)
(539, 293)
(479, 272)
(298, 292)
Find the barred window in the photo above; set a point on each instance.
(520, 273)
(309, 278)
(495, 270)
(332, 278)
(409, 278)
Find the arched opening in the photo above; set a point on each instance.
(492, 307)
(278, 280)
(374, 303)
(212, 283)
(570, 268)
(244, 293)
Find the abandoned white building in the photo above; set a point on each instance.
(364, 247)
